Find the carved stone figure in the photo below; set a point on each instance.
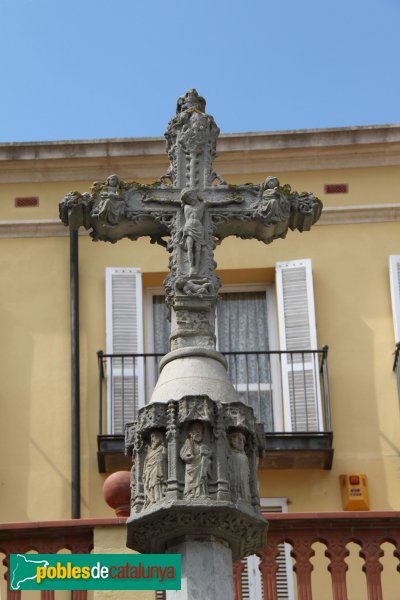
(192, 236)
(197, 458)
(75, 209)
(195, 286)
(239, 469)
(111, 207)
(191, 99)
(155, 469)
(275, 204)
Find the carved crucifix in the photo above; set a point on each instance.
(195, 445)
(189, 210)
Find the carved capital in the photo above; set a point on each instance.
(196, 408)
(160, 528)
(239, 416)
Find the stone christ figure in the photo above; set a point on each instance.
(193, 235)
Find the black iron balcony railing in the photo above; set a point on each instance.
(288, 391)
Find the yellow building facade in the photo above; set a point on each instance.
(356, 174)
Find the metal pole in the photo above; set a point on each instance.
(75, 382)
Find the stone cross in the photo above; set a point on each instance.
(190, 210)
(195, 446)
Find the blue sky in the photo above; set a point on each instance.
(83, 69)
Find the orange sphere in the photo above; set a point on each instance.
(117, 492)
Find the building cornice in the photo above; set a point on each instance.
(34, 228)
(238, 153)
(338, 215)
(360, 213)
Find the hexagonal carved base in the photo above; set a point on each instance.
(194, 475)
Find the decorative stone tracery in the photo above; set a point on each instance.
(210, 455)
(179, 448)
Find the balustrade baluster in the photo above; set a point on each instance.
(13, 594)
(81, 545)
(371, 552)
(337, 552)
(303, 552)
(396, 552)
(46, 595)
(269, 566)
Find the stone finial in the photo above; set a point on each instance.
(191, 100)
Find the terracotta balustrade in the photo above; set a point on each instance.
(369, 530)
(47, 538)
(335, 531)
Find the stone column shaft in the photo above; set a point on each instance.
(206, 571)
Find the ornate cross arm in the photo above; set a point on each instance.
(267, 212)
(128, 209)
(116, 209)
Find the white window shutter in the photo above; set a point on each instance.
(394, 269)
(252, 588)
(297, 332)
(124, 335)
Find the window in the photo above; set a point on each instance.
(282, 387)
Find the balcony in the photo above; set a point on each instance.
(333, 556)
(288, 391)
